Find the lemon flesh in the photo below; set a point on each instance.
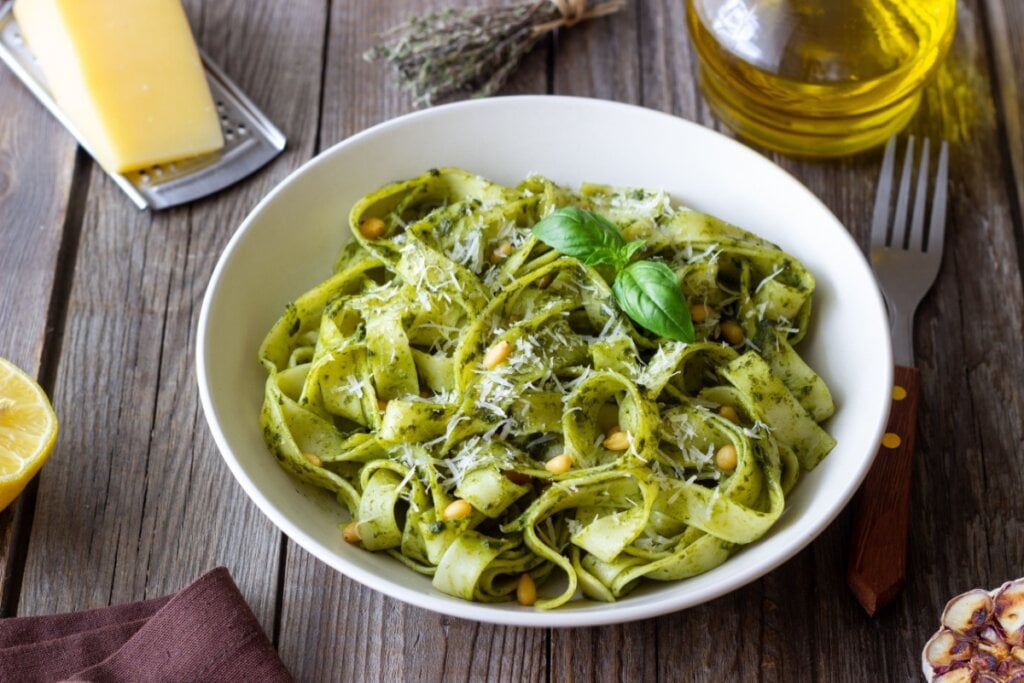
(28, 429)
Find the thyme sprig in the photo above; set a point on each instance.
(473, 51)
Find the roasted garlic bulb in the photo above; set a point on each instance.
(981, 639)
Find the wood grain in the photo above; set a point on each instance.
(1005, 31)
(38, 232)
(600, 58)
(34, 206)
(970, 369)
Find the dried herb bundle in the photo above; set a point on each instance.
(473, 51)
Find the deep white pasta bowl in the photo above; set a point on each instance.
(289, 241)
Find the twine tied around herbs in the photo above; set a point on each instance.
(473, 51)
(574, 11)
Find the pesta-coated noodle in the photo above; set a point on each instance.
(452, 355)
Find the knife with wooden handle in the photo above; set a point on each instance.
(878, 551)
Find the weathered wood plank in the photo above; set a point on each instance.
(979, 302)
(352, 633)
(37, 160)
(609, 653)
(1005, 32)
(331, 627)
(140, 503)
(600, 58)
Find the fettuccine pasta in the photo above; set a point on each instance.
(484, 411)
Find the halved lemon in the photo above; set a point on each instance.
(28, 429)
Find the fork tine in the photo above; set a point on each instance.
(880, 217)
(899, 222)
(916, 242)
(937, 227)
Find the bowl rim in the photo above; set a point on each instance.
(501, 613)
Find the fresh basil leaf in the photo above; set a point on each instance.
(603, 255)
(630, 249)
(649, 294)
(581, 234)
(646, 291)
(609, 228)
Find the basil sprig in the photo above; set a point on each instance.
(646, 291)
(590, 237)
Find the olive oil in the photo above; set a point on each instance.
(818, 77)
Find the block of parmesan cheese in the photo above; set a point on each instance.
(128, 76)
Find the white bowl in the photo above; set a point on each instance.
(289, 241)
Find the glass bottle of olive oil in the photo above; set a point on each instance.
(818, 77)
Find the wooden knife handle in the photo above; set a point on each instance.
(878, 550)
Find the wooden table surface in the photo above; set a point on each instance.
(101, 301)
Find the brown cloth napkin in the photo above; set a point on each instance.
(204, 633)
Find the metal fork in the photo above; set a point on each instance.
(905, 261)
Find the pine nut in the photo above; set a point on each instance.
(372, 228)
(497, 354)
(699, 313)
(351, 533)
(726, 458)
(456, 510)
(526, 590)
(560, 464)
(732, 332)
(618, 440)
(500, 253)
(313, 459)
(730, 414)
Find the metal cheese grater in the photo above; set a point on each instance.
(250, 139)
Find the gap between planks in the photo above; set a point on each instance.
(56, 316)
